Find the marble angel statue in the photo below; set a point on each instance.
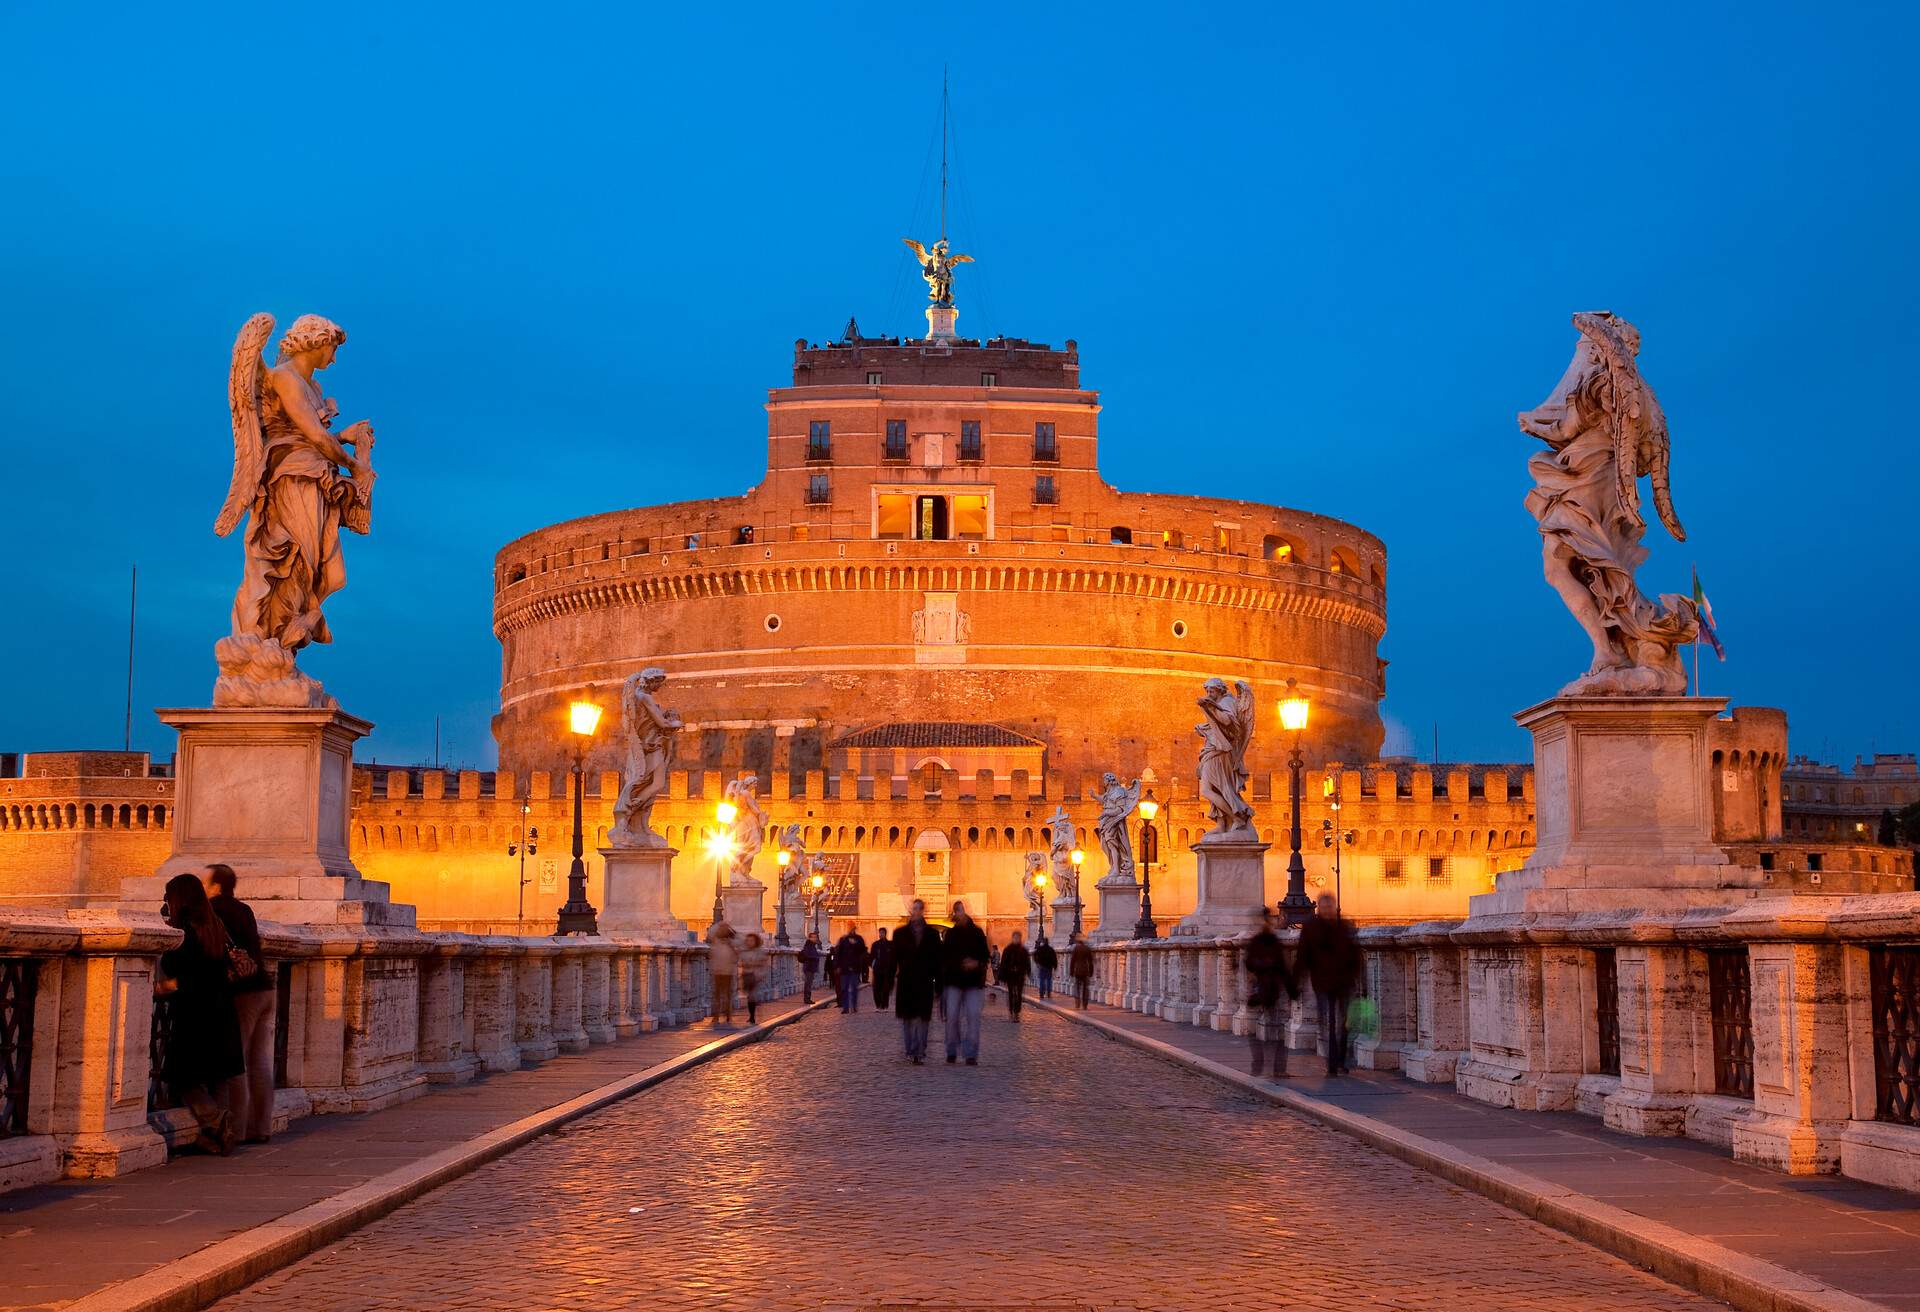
(296, 482)
(936, 266)
(651, 734)
(1117, 801)
(793, 875)
(1066, 879)
(1036, 895)
(748, 828)
(1224, 736)
(1604, 432)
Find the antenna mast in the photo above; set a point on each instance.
(943, 152)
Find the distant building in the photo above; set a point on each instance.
(1823, 802)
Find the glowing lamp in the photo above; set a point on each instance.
(1040, 881)
(819, 881)
(783, 857)
(1293, 710)
(584, 717)
(720, 846)
(1148, 807)
(1079, 856)
(725, 812)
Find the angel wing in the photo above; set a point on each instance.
(959, 259)
(919, 251)
(1243, 712)
(243, 399)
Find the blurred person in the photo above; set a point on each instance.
(849, 964)
(755, 962)
(1045, 962)
(963, 980)
(1329, 955)
(723, 963)
(1015, 965)
(916, 955)
(1264, 958)
(203, 1047)
(1080, 968)
(809, 958)
(880, 957)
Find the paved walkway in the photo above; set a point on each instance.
(1856, 1237)
(819, 1170)
(63, 1240)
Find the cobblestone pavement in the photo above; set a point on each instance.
(819, 1170)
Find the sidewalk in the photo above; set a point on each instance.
(60, 1242)
(1568, 1170)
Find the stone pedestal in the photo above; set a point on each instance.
(1119, 908)
(637, 889)
(1621, 792)
(743, 899)
(1036, 927)
(1063, 922)
(268, 791)
(940, 322)
(1232, 887)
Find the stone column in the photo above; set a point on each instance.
(564, 1019)
(533, 1003)
(1529, 1006)
(358, 1005)
(1392, 982)
(596, 994)
(444, 1058)
(1802, 1090)
(1440, 1035)
(493, 995)
(623, 982)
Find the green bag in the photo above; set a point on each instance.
(1363, 1017)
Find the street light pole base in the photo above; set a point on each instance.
(581, 919)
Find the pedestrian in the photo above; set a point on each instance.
(1080, 968)
(1045, 962)
(916, 960)
(1265, 960)
(881, 958)
(723, 963)
(963, 979)
(1015, 965)
(993, 963)
(754, 963)
(849, 964)
(809, 956)
(203, 1049)
(1330, 957)
(249, 1095)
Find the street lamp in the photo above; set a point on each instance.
(816, 902)
(1040, 886)
(577, 916)
(528, 845)
(1149, 853)
(1295, 908)
(720, 848)
(783, 858)
(1079, 859)
(1331, 835)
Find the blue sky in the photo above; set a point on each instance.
(1312, 258)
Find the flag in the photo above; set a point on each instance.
(1704, 609)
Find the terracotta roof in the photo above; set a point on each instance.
(935, 733)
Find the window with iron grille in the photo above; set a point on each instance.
(1606, 1008)
(159, 1096)
(1391, 868)
(282, 1020)
(1044, 493)
(970, 444)
(820, 439)
(1438, 871)
(818, 490)
(896, 448)
(1895, 976)
(989, 380)
(19, 977)
(873, 378)
(1730, 1008)
(1045, 445)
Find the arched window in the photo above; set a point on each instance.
(1173, 539)
(1340, 561)
(1276, 548)
(1120, 536)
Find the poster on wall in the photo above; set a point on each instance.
(842, 870)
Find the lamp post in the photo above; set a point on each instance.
(720, 847)
(1149, 853)
(1079, 859)
(577, 916)
(1040, 884)
(528, 845)
(1333, 836)
(1295, 908)
(818, 900)
(784, 858)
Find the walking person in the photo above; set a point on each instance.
(754, 964)
(880, 957)
(1330, 957)
(809, 958)
(916, 961)
(963, 980)
(723, 963)
(203, 1039)
(849, 964)
(249, 1095)
(1045, 962)
(1015, 965)
(1265, 960)
(1080, 968)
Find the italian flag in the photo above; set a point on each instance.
(1705, 610)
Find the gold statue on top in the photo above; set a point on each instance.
(936, 266)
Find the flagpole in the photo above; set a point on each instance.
(133, 597)
(1696, 663)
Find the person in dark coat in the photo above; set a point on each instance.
(1330, 957)
(880, 958)
(1015, 966)
(1045, 962)
(1080, 969)
(849, 964)
(1265, 960)
(203, 1038)
(916, 957)
(809, 956)
(963, 983)
(249, 1095)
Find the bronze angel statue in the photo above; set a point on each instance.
(936, 266)
(1225, 734)
(1605, 431)
(296, 482)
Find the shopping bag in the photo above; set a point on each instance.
(1363, 1018)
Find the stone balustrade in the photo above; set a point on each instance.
(367, 1016)
(1785, 1029)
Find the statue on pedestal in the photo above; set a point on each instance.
(793, 875)
(650, 743)
(1066, 878)
(1036, 900)
(297, 482)
(1117, 801)
(1224, 737)
(748, 829)
(1605, 432)
(936, 266)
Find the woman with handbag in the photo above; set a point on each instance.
(203, 1037)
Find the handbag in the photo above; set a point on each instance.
(241, 966)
